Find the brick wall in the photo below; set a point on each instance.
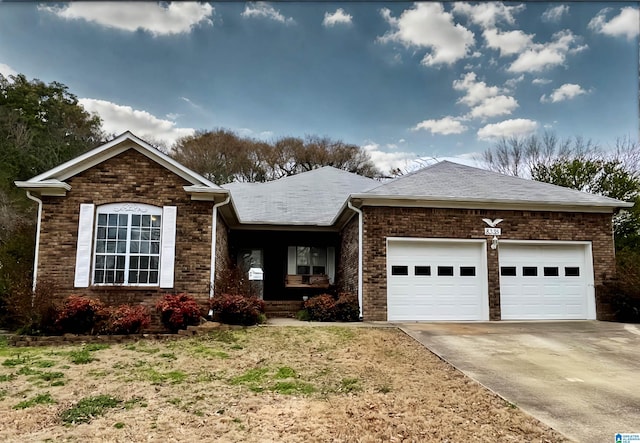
(223, 257)
(127, 177)
(347, 272)
(383, 222)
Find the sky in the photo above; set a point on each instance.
(403, 80)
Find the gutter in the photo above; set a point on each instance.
(214, 237)
(360, 228)
(37, 253)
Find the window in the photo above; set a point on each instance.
(445, 270)
(127, 245)
(572, 271)
(508, 271)
(399, 270)
(529, 271)
(467, 271)
(422, 270)
(551, 271)
(311, 260)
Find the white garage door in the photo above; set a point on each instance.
(546, 281)
(436, 280)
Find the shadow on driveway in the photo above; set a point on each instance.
(580, 377)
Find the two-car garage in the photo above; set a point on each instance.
(447, 280)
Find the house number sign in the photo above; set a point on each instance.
(492, 231)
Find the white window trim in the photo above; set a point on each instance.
(132, 209)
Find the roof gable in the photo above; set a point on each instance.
(52, 182)
(453, 182)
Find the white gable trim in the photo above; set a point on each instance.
(112, 148)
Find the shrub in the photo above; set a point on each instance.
(81, 315)
(126, 319)
(321, 307)
(623, 293)
(347, 307)
(29, 312)
(178, 311)
(237, 309)
(303, 315)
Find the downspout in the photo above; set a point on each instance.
(37, 254)
(214, 237)
(359, 211)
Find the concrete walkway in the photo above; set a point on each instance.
(580, 377)
(355, 324)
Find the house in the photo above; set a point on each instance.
(126, 223)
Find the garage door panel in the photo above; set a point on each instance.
(426, 292)
(550, 281)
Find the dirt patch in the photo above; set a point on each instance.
(281, 384)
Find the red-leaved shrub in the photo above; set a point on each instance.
(237, 309)
(81, 315)
(347, 307)
(321, 307)
(127, 319)
(178, 311)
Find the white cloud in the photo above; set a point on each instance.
(156, 18)
(510, 42)
(541, 81)
(476, 91)
(117, 119)
(513, 82)
(626, 23)
(541, 56)
(7, 70)
(386, 161)
(487, 14)
(445, 126)
(337, 18)
(507, 128)
(265, 10)
(494, 106)
(427, 25)
(555, 13)
(567, 91)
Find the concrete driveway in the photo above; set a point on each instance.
(580, 377)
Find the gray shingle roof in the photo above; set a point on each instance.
(455, 182)
(311, 198)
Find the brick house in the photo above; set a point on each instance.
(126, 223)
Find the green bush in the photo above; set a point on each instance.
(237, 309)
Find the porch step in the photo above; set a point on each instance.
(282, 308)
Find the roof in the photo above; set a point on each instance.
(451, 182)
(52, 182)
(313, 198)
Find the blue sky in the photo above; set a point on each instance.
(404, 80)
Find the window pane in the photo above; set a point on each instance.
(318, 256)
(112, 233)
(509, 271)
(110, 261)
(120, 259)
(99, 261)
(153, 277)
(399, 270)
(144, 262)
(155, 247)
(145, 234)
(303, 270)
(318, 270)
(143, 277)
(135, 233)
(155, 221)
(303, 256)
(113, 220)
(154, 263)
(122, 219)
(122, 233)
(572, 271)
(122, 247)
(529, 271)
(155, 234)
(446, 271)
(133, 263)
(146, 221)
(135, 220)
(100, 246)
(467, 271)
(119, 276)
(110, 277)
(102, 233)
(144, 247)
(111, 246)
(135, 247)
(99, 277)
(551, 271)
(422, 270)
(102, 219)
(133, 277)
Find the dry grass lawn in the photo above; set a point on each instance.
(265, 384)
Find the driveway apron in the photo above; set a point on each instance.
(580, 377)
